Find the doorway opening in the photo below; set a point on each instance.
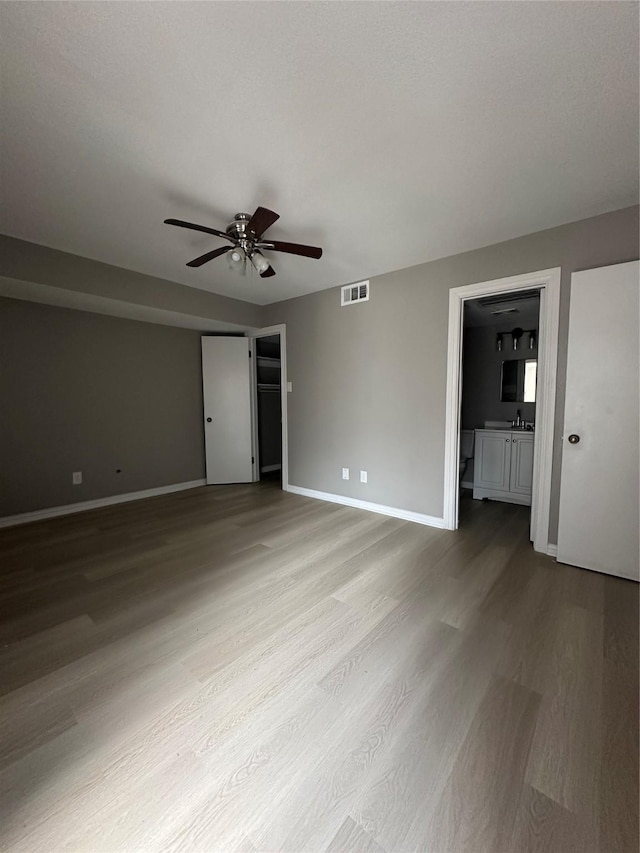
(268, 385)
(233, 441)
(534, 453)
(498, 401)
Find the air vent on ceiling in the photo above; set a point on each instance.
(501, 298)
(358, 292)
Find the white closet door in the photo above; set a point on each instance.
(226, 380)
(598, 523)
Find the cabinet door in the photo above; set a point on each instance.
(492, 461)
(521, 480)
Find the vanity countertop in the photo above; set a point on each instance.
(505, 429)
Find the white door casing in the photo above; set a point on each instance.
(599, 503)
(548, 282)
(226, 384)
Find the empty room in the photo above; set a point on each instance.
(319, 427)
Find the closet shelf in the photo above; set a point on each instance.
(266, 361)
(268, 386)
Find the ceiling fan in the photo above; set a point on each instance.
(245, 234)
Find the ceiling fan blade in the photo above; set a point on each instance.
(261, 220)
(203, 259)
(268, 273)
(293, 249)
(195, 227)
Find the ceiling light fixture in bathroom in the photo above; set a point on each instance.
(516, 335)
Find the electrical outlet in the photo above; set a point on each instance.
(363, 476)
(76, 478)
(345, 473)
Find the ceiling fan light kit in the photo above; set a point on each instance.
(245, 233)
(259, 262)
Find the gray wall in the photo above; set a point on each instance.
(369, 380)
(85, 392)
(88, 392)
(481, 374)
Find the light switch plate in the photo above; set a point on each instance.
(345, 473)
(289, 386)
(363, 476)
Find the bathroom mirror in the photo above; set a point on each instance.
(518, 380)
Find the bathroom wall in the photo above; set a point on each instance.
(481, 374)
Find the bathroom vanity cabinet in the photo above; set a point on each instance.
(503, 465)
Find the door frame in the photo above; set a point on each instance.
(280, 329)
(548, 282)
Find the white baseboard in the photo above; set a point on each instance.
(82, 506)
(552, 550)
(394, 512)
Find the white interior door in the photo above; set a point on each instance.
(599, 506)
(226, 383)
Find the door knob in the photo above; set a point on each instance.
(209, 420)
(573, 438)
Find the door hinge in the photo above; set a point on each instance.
(253, 460)
(249, 353)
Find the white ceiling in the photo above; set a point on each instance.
(388, 133)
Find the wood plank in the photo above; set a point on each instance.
(478, 818)
(618, 783)
(543, 826)
(566, 753)
(351, 838)
(237, 668)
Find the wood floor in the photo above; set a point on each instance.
(240, 669)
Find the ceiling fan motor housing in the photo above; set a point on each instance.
(246, 234)
(238, 228)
